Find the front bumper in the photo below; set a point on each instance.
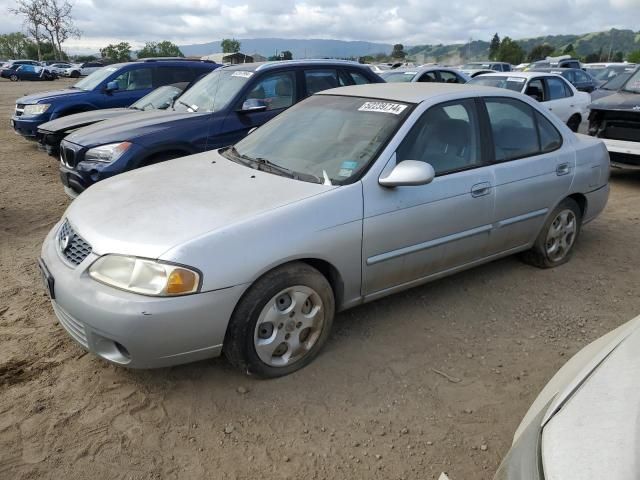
(132, 330)
(27, 126)
(623, 153)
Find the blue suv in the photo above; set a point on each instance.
(117, 85)
(217, 111)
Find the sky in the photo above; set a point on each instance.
(411, 22)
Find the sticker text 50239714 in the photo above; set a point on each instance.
(382, 107)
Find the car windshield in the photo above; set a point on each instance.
(617, 82)
(214, 91)
(160, 98)
(328, 138)
(633, 84)
(95, 79)
(397, 77)
(606, 73)
(510, 83)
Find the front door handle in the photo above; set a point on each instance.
(562, 169)
(481, 189)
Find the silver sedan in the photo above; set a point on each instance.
(431, 73)
(349, 196)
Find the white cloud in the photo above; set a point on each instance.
(410, 21)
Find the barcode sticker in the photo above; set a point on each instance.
(242, 73)
(382, 107)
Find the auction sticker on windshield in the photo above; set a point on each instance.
(516, 79)
(382, 107)
(242, 73)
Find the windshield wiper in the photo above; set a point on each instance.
(190, 107)
(265, 165)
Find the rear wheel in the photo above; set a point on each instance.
(282, 322)
(74, 74)
(555, 242)
(574, 122)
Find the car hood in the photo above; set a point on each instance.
(596, 434)
(623, 101)
(49, 97)
(148, 211)
(83, 119)
(128, 127)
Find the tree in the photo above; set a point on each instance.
(634, 57)
(510, 52)
(14, 45)
(398, 51)
(618, 57)
(119, 52)
(161, 49)
(33, 20)
(85, 58)
(494, 47)
(540, 52)
(230, 45)
(568, 50)
(286, 55)
(592, 58)
(58, 21)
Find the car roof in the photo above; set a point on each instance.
(414, 92)
(527, 74)
(260, 66)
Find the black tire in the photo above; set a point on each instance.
(14, 78)
(538, 255)
(239, 346)
(75, 74)
(574, 122)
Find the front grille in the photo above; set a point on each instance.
(67, 156)
(19, 109)
(72, 246)
(629, 131)
(71, 325)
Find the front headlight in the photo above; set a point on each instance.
(36, 109)
(143, 276)
(107, 153)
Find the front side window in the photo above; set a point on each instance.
(556, 88)
(535, 89)
(513, 127)
(276, 90)
(325, 138)
(429, 77)
(446, 136)
(138, 79)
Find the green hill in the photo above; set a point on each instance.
(613, 40)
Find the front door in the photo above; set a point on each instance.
(277, 91)
(412, 233)
(132, 86)
(559, 97)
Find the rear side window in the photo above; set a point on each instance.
(319, 80)
(550, 138)
(167, 75)
(556, 88)
(514, 128)
(429, 77)
(449, 77)
(358, 78)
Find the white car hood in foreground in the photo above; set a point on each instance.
(596, 434)
(148, 211)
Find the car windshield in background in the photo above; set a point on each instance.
(633, 84)
(160, 98)
(397, 77)
(617, 82)
(214, 91)
(96, 78)
(510, 83)
(606, 73)
(330, 139)
(476, 66)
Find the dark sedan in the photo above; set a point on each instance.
(576, 76)
(27, 72)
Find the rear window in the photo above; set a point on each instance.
(515, 84)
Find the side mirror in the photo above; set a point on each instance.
(253, 105)
(408, 173)
(112, 86)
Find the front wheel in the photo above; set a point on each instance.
(282, 322)
(74, 74)
(14, 78)
(555, 242)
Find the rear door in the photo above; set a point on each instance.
(533, 171)
(412, 233)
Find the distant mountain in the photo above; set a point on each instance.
(313, 48)
(613, 40)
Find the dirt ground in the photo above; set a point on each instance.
(371, 406)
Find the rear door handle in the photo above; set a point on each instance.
(562, 169)
(481, 189)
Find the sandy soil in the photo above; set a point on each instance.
(371, 406)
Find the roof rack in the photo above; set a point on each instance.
(172, 59)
